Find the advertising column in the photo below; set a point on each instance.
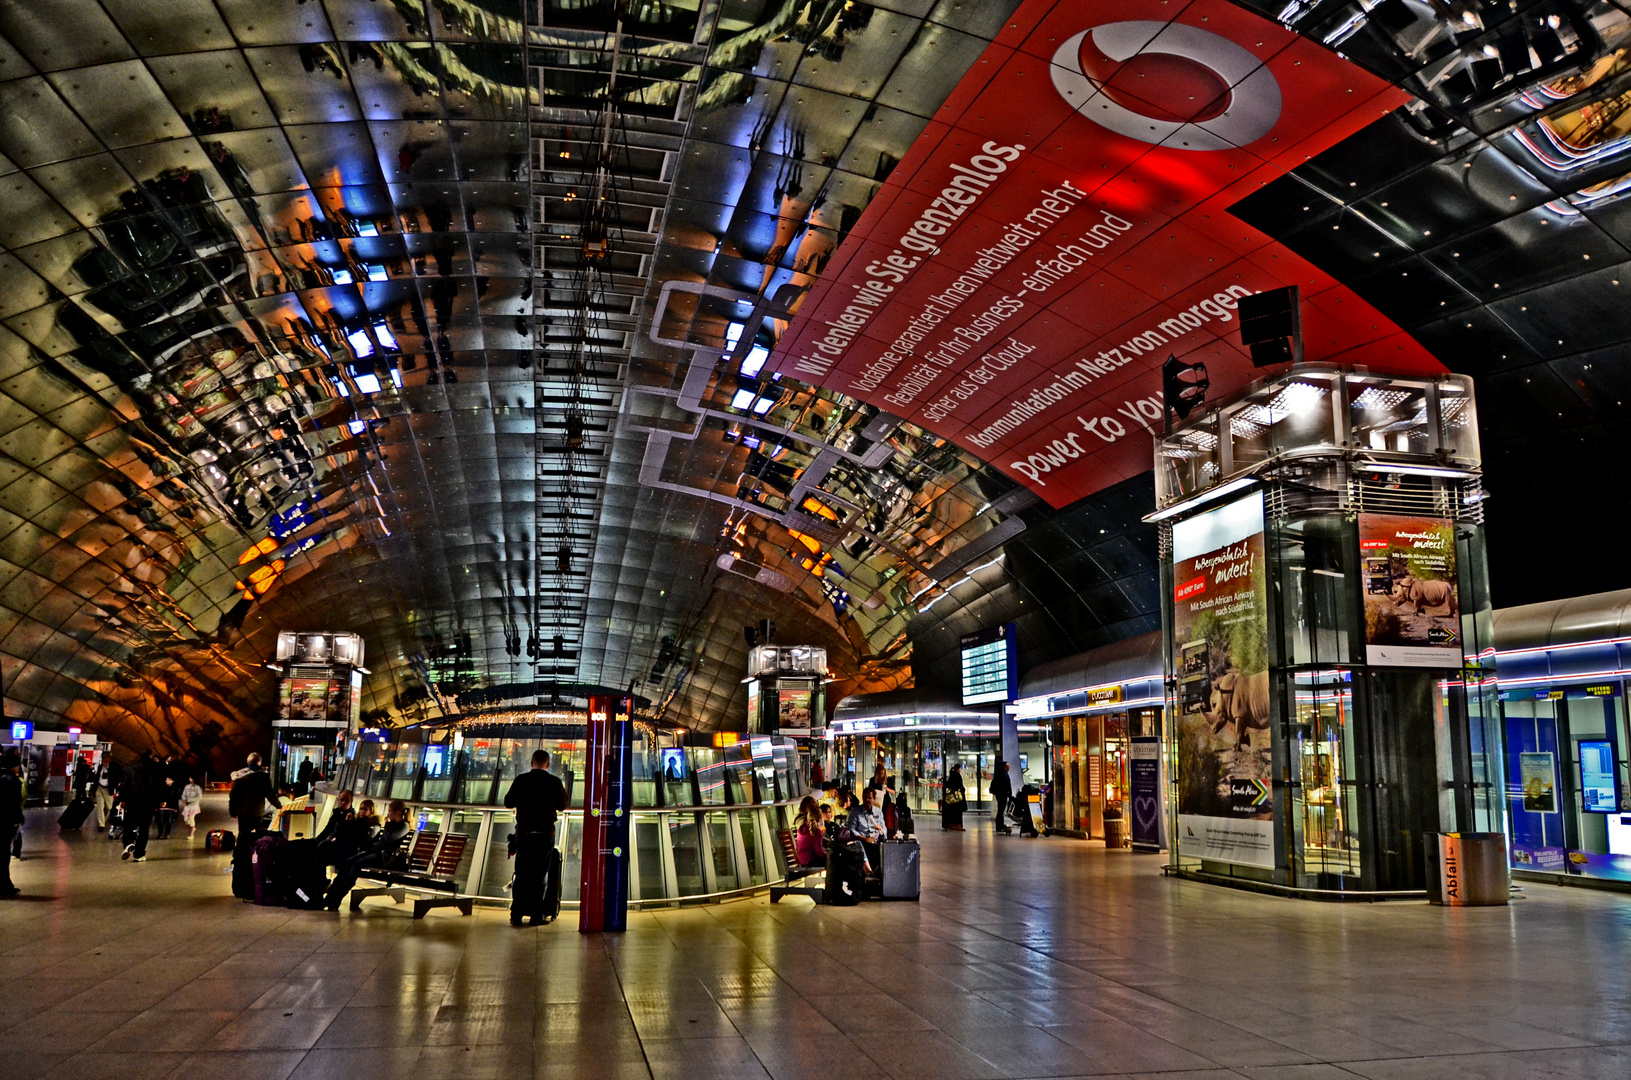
(1412, 607)
(1220, 648)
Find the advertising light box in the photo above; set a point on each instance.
(1062, 226)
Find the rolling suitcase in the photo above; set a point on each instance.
(75, 815)
(552, 886)
(263, 859)
(218, 840)
(301, 875)
(243, 874)
(534, 873)
(846, 875)
(902, 872)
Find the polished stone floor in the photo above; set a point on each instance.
(1026, 958)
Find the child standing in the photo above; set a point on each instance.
(192, 801)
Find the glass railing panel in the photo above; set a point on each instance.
(720, 838)
(686, 842)
(648, 847)
(495, 877)
(569, 833)
(750, 822)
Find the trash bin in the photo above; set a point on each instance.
(1115, 832)
(1468, 870)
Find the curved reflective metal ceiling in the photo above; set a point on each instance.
(313, 316)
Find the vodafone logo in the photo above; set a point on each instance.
(1166, 83)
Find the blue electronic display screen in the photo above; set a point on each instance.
(1597, 787)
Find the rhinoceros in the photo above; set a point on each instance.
(1242, 700)
(1411, 592)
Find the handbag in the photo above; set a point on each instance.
(953, 798)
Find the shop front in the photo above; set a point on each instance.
(1095, 705)
(1562, 670)
(918, 739)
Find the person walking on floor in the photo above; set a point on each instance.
(303, 777)
(192, 801)
(953, 799)
(141, 791)
(247, 801)
(109, 775)
(1002, 793)
(167, 791)
(11, 815)
(537, 797)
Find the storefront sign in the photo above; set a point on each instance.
(1104, 695)
(1062, 226)
(1412, 604)
(1220, 641)
(1539, 779)
(1147, 827)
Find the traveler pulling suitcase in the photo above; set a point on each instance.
(263, 857)
(846, 874)
(74, 817)
(902, 869)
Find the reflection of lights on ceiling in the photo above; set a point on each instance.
(367, 228)
(396, 378)
(762, 406)
(357, 426)
(265, 547)
(968, 576)
(368, 383)
(344, 390)
(377, 273)
(755, 361)
(386, 338)
(1375, 397)
(733, 334)
(361, 343)
(742, 399)
(342, 277)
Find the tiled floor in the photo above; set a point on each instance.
(1026, 958)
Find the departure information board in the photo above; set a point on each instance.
(990, 665)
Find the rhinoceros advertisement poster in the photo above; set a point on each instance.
(1412, 607)
(1220, 640)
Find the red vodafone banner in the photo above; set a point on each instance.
(1061, 227)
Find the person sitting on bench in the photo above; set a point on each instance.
(866, 822)
(376, 856)
(808, 841)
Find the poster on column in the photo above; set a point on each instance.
(1220, 641)
(1064, 223)
(1412, 607)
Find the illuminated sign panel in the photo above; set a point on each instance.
(990, 666)
(1062, 225)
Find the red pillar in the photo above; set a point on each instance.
(592, 882)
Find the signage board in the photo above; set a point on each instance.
(1220, 642)
(1147, 828)
(990, 665)
(793, 708)
(1062, 226)
(1598, 792)
(1412, 603)
(1539, 779)
(22, 730)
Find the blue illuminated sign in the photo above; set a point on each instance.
(22, 730)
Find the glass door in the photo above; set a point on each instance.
(1323, 793)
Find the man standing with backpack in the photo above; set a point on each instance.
(537, 797)
(251, 791)
(108, 778)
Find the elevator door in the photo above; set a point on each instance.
(1401, 779)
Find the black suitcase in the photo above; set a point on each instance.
(302, 879)
(76, 814)
(846, 875)
(552, 887)
(902, 869)
(243, 871)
